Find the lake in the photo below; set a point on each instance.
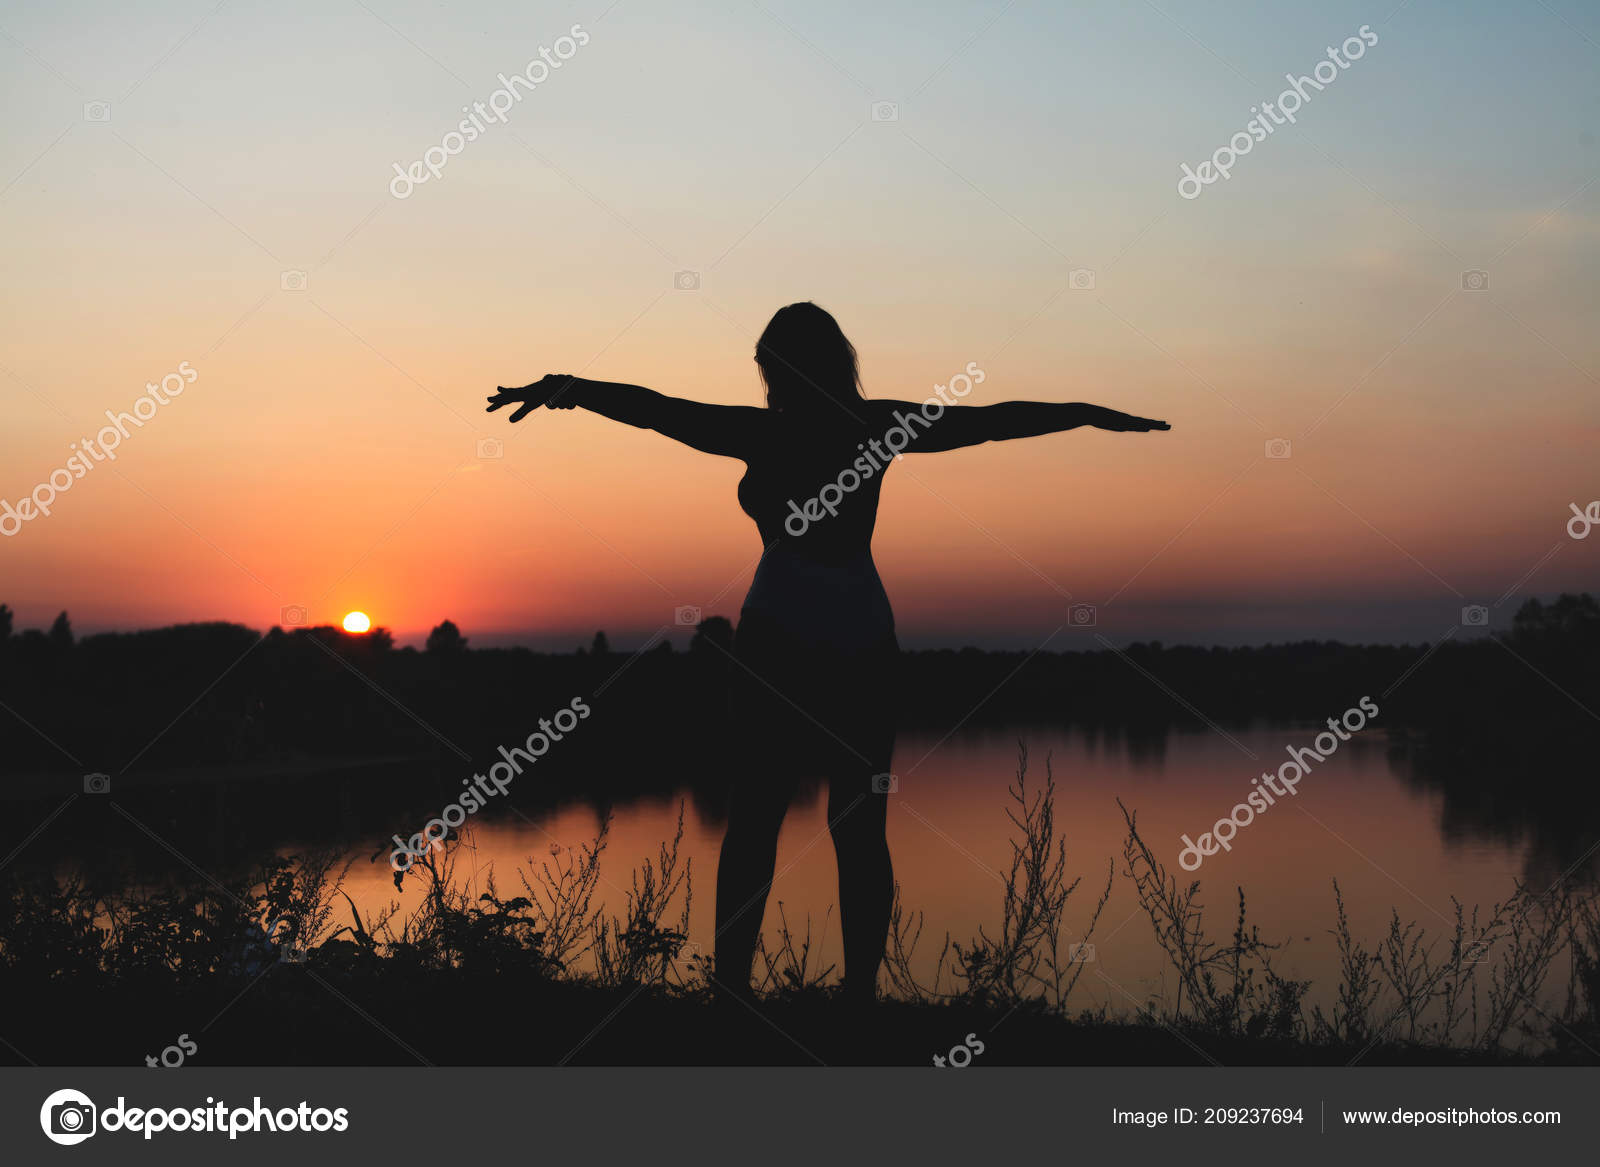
(1362, 817)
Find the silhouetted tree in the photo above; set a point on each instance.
(5, 621)
(446, 638)
(600, 646)
(61, 632)
(712, 633)
(1567, 616)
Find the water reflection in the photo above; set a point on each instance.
(1401, 827)
(1393, 833)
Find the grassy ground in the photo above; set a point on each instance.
(291, 1016)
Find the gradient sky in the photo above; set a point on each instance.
(327, 454)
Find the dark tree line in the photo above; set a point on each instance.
(225, 694)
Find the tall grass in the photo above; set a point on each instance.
(1475, 986)
(1024, 963)
(1228, 988)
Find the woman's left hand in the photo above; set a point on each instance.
(1127, 423)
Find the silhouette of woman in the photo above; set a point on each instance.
(815, 640)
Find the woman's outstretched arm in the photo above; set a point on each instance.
(730, 430)
(971, 425)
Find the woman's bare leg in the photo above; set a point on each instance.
(744, 874)
(858, 821)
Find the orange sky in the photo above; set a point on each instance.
(327, 453)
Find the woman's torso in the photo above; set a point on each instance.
(814, 498)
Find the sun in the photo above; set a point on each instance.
(356, 622)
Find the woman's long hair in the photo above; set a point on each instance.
(808, 364)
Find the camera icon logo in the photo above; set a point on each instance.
(97, 111)
(885, 784)
(1475, 616)
(686, 615)
(1083, 616)
(67, 1117)
(1476, 280)
(292, 281)
(1279, 448)
(97, 783)
(491, 448)
(1475, 952)
(1080, 953)
(686, 281)
(885, 111)
(292, 615)
(1081, 279)
(292, 953)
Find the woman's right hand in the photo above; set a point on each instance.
(1127, 423)
(549, 390)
